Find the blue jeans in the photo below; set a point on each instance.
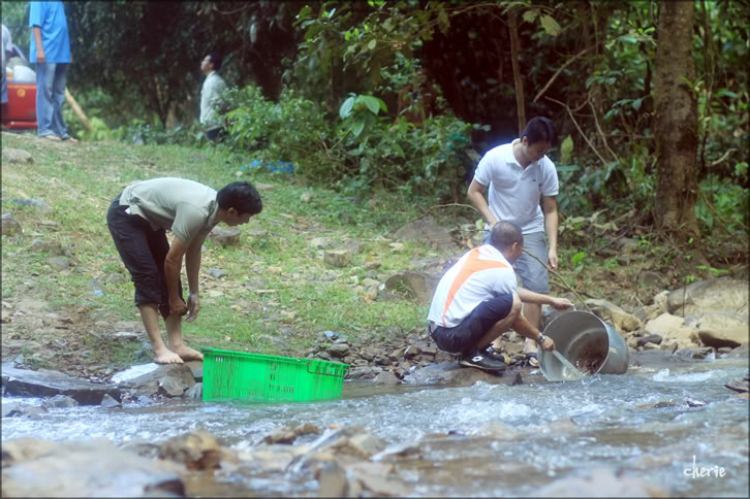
(50, 94)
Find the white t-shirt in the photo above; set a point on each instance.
(515, 192)
(479, 275)
(212, 89)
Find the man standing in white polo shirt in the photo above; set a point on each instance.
(523, 186)
(210, 95)
(478, 299)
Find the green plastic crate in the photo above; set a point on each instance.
(253, 377)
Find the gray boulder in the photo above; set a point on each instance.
(226, 236)
(427, 230)
(713, 295)
(171, 380)
(39, 468)
(451, 374)
(25, 383)
(10, 225)
(417, 285)
(18, 156)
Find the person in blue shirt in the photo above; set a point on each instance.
(50, 50)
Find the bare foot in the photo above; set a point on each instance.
(166, 356)
(188, 353)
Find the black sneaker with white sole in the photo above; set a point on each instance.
(481, 360)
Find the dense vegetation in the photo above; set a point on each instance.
(651, 99)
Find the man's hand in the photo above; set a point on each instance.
(41, 57)
(552, 259)
(193, 307)
(548, 345)
(177, 306)
(561, 303)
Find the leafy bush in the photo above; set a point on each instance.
(293, 129)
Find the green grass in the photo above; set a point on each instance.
(79, 180)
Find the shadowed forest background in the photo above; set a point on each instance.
(650, 99)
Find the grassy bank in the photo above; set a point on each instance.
(274, 278)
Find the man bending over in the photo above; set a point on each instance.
(138, 219)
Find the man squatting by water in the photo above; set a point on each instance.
(138, 219)
(478, 299)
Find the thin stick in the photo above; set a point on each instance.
(557, 73)
(561, 279)
(604, 162)
(601, 132)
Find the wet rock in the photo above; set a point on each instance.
(731, 338)
(38, 468)
(170, 379)
(226, 236)
(195, 392)
(196, 367)
(332, 480)
(283, 435)
(659, 405)
(337, 258)
(386, 378)
(411, 352)
(18, 156)
(25, 383)
(497, 431)
(339, 350)
(197, 450)
(398, 453)
(59, 263)
(739, 385)
(725, 294)
(10, 410)
(450, 374)
(10, 225)
(591, 483)
(651, 338)
(144, 400)
(307, 429)
(417, 285)
(427, 230)
(671, 327)
(216, 273)
(363, 445)
(373, 477)
(59, 401)
(109, 402)
(694, 403)
(609, 312)
(365, 372)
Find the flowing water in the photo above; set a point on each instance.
(552, 431)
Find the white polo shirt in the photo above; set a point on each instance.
(515, 192)
(479, 275)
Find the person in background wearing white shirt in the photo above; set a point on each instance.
(478, 299)
(523, 186)
(210, 93)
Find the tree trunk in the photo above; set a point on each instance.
(515, 48)
(676, 121)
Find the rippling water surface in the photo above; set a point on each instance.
(554, 430)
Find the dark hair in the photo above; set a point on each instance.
(540, 129)
(241, 196)
(216, 60)
(504, 234)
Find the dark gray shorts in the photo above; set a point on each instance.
(465, 336)
(533, 275)
(143, 251)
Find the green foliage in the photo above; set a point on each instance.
(292, 129)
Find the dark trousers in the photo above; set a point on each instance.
(143, 251)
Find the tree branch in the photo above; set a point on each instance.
(604, 162)
(557, 73)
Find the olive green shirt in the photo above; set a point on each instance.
(185, 207)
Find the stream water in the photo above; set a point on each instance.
(554, 430)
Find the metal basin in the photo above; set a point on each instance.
(587, 342)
